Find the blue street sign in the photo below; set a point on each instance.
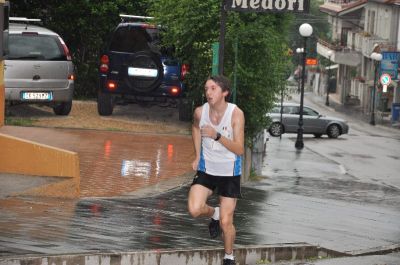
(390, 64)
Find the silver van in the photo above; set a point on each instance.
(38, 67)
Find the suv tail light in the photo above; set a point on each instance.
(184, 71)
(66, 50)
(174, 91)
(112, 85)
(104, 60)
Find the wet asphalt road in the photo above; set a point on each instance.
(291, 205)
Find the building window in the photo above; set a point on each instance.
(343, 38)
(371, 22)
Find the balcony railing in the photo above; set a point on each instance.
(333, 46)
(341, 54)
(365, 43)
(343, 3)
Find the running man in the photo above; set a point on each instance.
(218, 137)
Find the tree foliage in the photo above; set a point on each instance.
(262, 52)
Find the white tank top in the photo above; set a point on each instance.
(215, 159)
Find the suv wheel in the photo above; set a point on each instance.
(145, 60)
(105, 104)
(63, 108)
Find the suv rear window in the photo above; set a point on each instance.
(133, 39)
(34, 47)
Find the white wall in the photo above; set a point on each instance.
(398, 28)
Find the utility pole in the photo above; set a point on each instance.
(222, 39)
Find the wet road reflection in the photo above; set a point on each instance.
(115, 163)
(302, 200)
(162, 222)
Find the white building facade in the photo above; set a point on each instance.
(360, 27)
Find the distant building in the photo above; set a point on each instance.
(360, 27)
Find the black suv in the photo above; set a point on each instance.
(135, 68)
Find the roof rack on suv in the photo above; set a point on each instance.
(125, 18)
(24, 20)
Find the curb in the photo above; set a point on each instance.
(211, 256)
(383, 250)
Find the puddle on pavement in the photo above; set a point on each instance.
(128, 162)
(115, 163)
(160, 222)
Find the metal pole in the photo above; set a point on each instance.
(222, 39)
(328, 86)
(282, 89)
(299, 141)
(234, 91)
(372, 121)
(298, 79)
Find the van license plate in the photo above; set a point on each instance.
(37, 95)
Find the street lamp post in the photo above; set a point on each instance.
(305, 31)
(376, 57)
(329, 77)
(299, 51)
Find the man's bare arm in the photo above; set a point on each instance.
(236, 145)
(196, 136)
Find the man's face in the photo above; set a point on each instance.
(213, 92)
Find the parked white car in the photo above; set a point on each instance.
(38, 67)
(313, 122)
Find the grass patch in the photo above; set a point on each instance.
(19, 121)
(254, 177)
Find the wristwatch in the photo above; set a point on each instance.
(218, 136)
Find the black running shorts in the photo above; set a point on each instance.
(226, 186)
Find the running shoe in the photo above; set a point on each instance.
(214, 228)
(229, 262)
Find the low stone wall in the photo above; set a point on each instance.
(2, 92)
(19, 156)
(249, 255)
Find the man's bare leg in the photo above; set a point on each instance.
(197, 205)
(227, 209)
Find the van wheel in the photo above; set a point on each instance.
(105, 104)
(63, 108)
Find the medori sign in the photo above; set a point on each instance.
(300, 6)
